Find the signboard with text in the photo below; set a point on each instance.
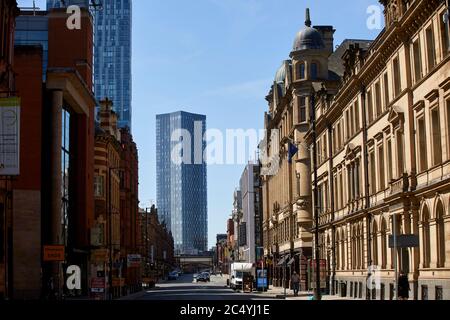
(9, 136)
(98, 285)
(261, 279)
(134, 260)
(54, 254)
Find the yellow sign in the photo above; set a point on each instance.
(54, 253)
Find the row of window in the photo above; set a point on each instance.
(349, 252)
(425, 46)
(386, 163)
(430, 135)
(286, 229)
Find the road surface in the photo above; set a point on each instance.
(186, 289)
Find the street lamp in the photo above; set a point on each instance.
(317, 293)
(110, 277)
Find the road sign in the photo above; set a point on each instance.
(404, 241)
(54, 253)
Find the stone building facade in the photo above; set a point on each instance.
(383, 151)
(286, 189)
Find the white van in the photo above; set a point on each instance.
(237, 273)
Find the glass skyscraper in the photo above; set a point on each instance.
(112, 52)
(181, 179)
(65, 3)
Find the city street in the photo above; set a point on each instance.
(185, 289)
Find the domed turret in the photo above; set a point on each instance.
(308, 37)
(280, 76)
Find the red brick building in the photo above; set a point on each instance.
(106, 232)
(129, 210)
(8, 12)
(157, 245)
(53, 198)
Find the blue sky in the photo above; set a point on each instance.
(218, 58)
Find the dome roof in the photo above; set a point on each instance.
(308, 37)
(280, 76)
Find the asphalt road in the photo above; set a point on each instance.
(186, 289)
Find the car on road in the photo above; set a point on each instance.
(173, 276)
(204, 277)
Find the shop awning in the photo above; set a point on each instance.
(283, 260)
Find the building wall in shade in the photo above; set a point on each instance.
(181, 188)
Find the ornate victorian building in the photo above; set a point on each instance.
(383, 141)
(286, 184)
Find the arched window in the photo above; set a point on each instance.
(440, 233)
(360, 248)
(314, 71)
(301, 71)
(426, 237)
(375, 244)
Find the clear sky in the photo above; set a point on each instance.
(218, 58)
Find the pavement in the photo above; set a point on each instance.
(185, 288)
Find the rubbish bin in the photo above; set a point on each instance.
(343, 289)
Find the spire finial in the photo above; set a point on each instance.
(308, 18)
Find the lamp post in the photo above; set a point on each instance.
(110, 276)
(317, 293)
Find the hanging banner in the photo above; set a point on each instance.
(9, 136)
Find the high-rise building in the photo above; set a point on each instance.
(181, 179)
(65, 3)
(112, 52)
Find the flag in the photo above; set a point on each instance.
(292, 151)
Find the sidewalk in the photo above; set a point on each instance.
(278, 293)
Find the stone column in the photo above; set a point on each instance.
(421, 246)
(304, 215)
(56, 181)
(415, 251)
(433, 244)
(447, 240)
